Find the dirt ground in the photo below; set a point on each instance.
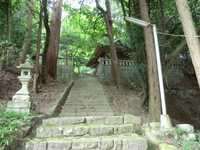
(180, 109)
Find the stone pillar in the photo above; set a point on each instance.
(21, 101)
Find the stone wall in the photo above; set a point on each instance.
(174, 76)
(130, 76)
(127, 70)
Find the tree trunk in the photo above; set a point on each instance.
(37, 69)
(27, 40)
(142, 76)
(163, 28)
(191, 35)
(54, 38)
(47, 39)
(116, 76)
(154, 93)
(9, 29)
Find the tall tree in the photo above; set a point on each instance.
(27, 40)
(54, 38)
(37, 69)
(191, 34)
(114, 60)
(154, 93)
(47, 39)
(138, 58)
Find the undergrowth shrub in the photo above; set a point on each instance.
(11, 124)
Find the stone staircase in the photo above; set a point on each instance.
(88, 133)
(87, 98)
(88, 122)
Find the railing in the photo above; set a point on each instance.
(107, 62)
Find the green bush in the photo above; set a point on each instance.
(11, 124)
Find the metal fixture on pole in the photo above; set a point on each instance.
(165, 121)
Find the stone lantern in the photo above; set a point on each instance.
(21, 101)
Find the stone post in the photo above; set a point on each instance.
(21, 101)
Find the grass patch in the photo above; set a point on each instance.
(11, 124)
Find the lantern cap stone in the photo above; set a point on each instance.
(26, 65)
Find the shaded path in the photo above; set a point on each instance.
(87, 98)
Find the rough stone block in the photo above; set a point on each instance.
(104, 114)
(127, 128)
(85, 144)
(24, 98)
(106, 144)
(64, 121)
(76, 131)
(101, 130)
(19, 104)
(134, 143)
(37, 145)
(132, 119)
(186, 127)
(63, 114)
(165, 146)
(117, 144)
(154, 125)
(59, 145)
(49, 131)
(104, 120)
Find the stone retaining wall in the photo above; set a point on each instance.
(130, 75)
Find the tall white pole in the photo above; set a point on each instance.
(160, 77)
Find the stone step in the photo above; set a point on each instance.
(86, 110)
(86, 104)
(46, 131)
(86, 107)
(97, 102)
(87, 96)
(119, 142)
(80, 99)
(126, 119)
(74, 114)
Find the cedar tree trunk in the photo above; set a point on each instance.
(52, 54)
(116, 76)
(191, 34)
(154, 110)
(47, 39)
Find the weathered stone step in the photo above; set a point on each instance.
(120, 142)
(90, 109)
(126, 119)
(94, 103)
(84, 130)
(87, 96)
(72, 99)
(86, 107)
(73, 114)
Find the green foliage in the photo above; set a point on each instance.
(183, 140)
(82, 30)
(11, 123)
